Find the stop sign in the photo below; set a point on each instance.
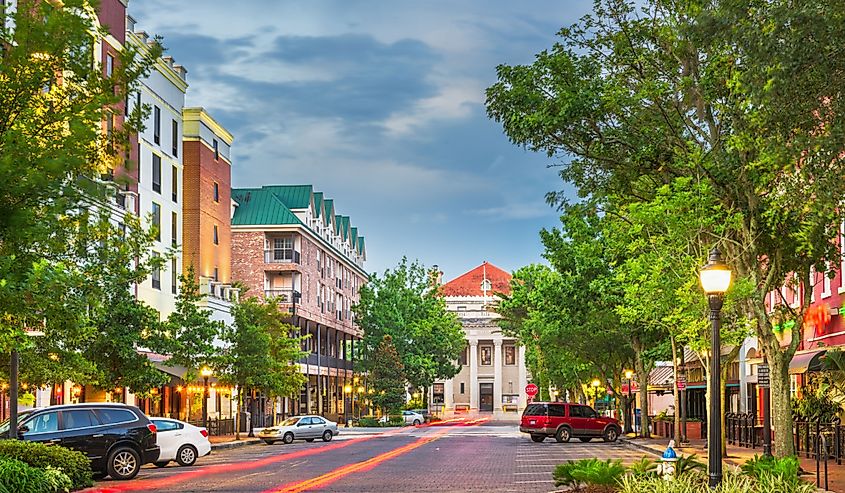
(531, 389)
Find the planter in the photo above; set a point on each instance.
(694, 430)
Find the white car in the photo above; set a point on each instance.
(410, 417)
(180, 441)
(305, 428)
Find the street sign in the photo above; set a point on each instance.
(531, 389)
(763, 376)
(682, 382)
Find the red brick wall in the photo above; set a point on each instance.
(112, 15)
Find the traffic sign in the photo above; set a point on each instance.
(763, 376)
(531, 389)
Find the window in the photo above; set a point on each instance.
(535, 410)
(557, 411)
(112, 416)
(462, 387)
(156, 124)
(43, 423)
(79, 418)
(216, 278)
(216, 238)
(578, 412)
(174, 183)
(216, 149)
(162, 425)
(216, 192)
(283, 248)
(485, 285)
(157, 220)
(812, 286)
(510, 355)
(462, 360)
(109, 65)
(174, 276)
(174, 138)
(174, 229)
(486, 355)
(826, 284)
(156, 274)
(156, 173)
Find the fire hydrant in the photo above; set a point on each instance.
(667, 462)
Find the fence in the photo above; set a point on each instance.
(218, 427)
(818, 440)
(742, 429)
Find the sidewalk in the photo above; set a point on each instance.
(737, 456)
(221, 442)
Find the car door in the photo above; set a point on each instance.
(408, 417)
(168, 438)
(303, 428)
(577, 420)
(592, 422)
(42, 427)
(318, 426)
(83, 431)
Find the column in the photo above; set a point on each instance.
(497, 376)
(473, 375)
(448, 397)
(523, 377)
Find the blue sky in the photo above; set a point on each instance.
(381, 106)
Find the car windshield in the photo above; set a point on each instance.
(4, 426)
(289, 422)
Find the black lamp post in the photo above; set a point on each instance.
(347, 390)
(629, 407)
(682, 394)
(715, 280)
(205, 372)
(763, 382)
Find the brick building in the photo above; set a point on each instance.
(288, 243)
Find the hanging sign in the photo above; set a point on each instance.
(763, 376)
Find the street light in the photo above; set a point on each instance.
(629, 414)
(205, 372)
(347, 389)
(596, 383)
(361, 391)
(715, 280)
(682, 391)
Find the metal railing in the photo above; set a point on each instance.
(217, 427)
(741, 429)
(286, 295)
(281, 256)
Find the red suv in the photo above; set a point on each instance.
(564, 421)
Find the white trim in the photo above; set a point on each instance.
(826, 336)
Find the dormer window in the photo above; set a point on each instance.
(486, 285)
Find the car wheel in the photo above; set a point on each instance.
(186, 455)
(327, 436)
(611, 434)
(585, 439)
(288, 438)
(563, 435)
(162, 464)
(123, 464)
(538, 438)
(416, 422)
(269, 442)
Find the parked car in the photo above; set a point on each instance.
(180, 441)
(118, 439)
(305, 428)
(410, 418)
(564, 421)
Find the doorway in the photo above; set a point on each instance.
(485, 397)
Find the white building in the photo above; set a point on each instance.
(493, 374)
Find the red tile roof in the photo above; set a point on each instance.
(469, 284)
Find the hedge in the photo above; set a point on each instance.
(74, 464)
(19, 477)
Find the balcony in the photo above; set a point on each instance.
(287, 295)
(281, 256)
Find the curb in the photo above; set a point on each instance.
(234, 444)
(645, 448)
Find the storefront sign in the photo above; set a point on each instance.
(763, 376)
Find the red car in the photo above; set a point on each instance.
(564, 421)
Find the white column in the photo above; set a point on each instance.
(497, 376)
(473, 375)
(523, 377)
(448, 397)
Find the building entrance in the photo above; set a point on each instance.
(485, 397)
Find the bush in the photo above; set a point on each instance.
(20, 477)
(643, 467)
(74, 464)
(591, 472)
(395, 421)
(57, 480)
(368, 422)
(696, 482)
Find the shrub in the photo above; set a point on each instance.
(20, 477)
(732, 482)
(395, 421)
(368, 422)
(643, 467)
(57, 480)
(689, 463)
(74, 464)
(591, 472)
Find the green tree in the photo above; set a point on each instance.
(405, 304)
(260, 351)
(734, 94)
(189, 332)
(387, 377)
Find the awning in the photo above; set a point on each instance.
(804, 362)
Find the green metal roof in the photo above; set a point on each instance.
(354, 234)
(329, 211)
(293, 196)
(260, 206)
(318, 204)
(361, 249)
(344, 227)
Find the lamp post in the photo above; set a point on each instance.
(361, 391)
(682, 394)
(205, 372)
(629, 407)
(595, 384)
(767, 407)
(715, 280)
(347, 390)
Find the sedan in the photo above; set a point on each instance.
(410, 418)
(180, 441)
(305, 428)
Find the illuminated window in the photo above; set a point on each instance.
(486, 355)
(510, 355)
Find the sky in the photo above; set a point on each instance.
(379, 104)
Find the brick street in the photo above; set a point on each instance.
(487, 457)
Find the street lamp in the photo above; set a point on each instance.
(715, 280)
(682, 391)
(361, 391)
(205, 372)
(596, 383)
(629, 414)
(347, 389)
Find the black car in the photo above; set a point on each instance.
(118, 439)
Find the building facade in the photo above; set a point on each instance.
(288, 243)
(493, 374)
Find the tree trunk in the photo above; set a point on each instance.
(781, 404)
(642, 380)
(238, 415)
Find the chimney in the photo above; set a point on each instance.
(142, 35)
(168, 60)
(130, 23)
(438, 279)
(182, 71)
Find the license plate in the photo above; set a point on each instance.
(532, 422)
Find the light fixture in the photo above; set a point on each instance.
(206, 371)
(716, 276)
(629, 374)
(347, 389)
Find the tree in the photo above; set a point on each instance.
(189, 332)
(260, 351)
(405, 304)
(387, 377)
(734, 94)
